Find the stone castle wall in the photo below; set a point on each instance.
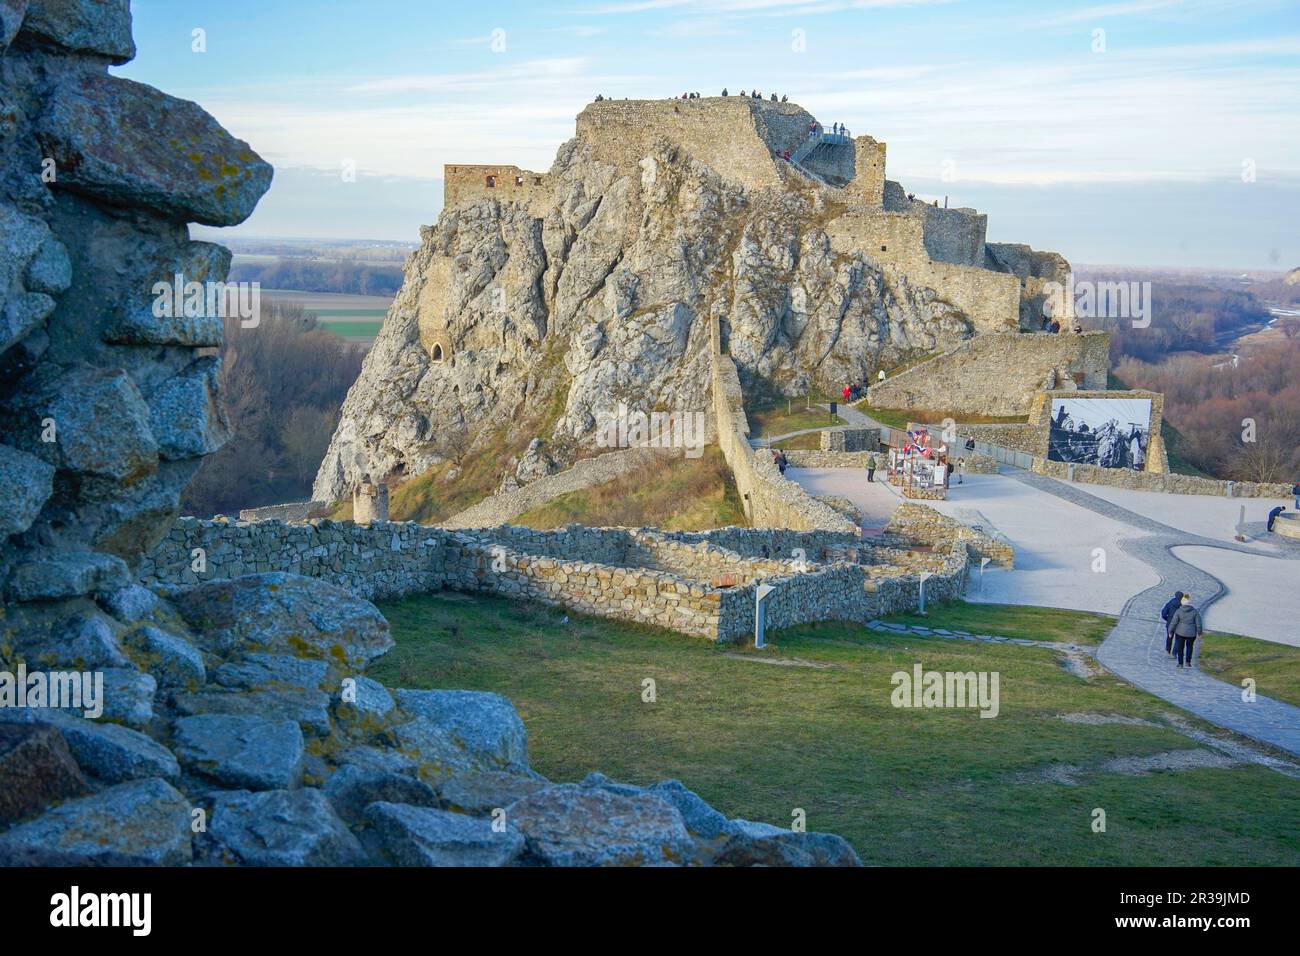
(465, 183)
(897, 240)
(739, 137)
(998, 374)
(769, 499)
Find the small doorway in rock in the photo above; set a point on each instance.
(437, 352)
(491, 182)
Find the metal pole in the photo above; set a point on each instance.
(760, 593)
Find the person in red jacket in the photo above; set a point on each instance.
(847, 391)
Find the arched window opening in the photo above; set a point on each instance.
(437, 352)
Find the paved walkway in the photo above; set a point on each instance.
(1055, 526)
(1135, 649)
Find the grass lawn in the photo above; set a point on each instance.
(774, 419)
(687, 494)
(904, 786)
(899, 417)
(1275, 668)
(1013, 620)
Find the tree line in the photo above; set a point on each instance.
(282, 386)
(320, 275)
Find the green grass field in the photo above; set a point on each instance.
(782, 417)
(354, 330)
(904, 786)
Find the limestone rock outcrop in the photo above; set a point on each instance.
(242, 703)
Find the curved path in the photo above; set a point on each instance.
(1135, 649)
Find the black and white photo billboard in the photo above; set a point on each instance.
(1108, 432)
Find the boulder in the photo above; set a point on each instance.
(309, 709)
(101, 425)
(241, 751)
(81, 642)
(109, 752)
(176, 662)
(700, 818)
(128, 604)
(420, 836)
(484, 725)
(70, 574)
(37, 769)
(569, 825)
(128, 696)
(28, 484)
(485, 791)
(272, 672)
(281, 828)
(351, 789)
(11, 18)
(787, 848)
(95, 27)
(141, 823)
(285, 614)
(364, 699)
(127, 144)
(184, 415)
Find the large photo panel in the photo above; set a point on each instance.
(1107, 432)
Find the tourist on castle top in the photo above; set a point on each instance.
(1272, 515)
(599, 98)
(724, 91)
(871, 468)
(1186, 626)
(1165, 613)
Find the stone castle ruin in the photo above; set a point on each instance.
(596, 282)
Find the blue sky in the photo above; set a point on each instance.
(1124, 146)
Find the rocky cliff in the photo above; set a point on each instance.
(538, 302)
(229, 722)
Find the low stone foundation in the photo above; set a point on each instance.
(697, 583)
(812, 458)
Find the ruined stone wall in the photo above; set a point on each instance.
(465, 183)
(769, 499)
(991, 300)
(998, 375)
(739, 137)
(954, 235)
(816, 458)
(922, 523)
(1166, 482)
(868, 184)
(850, 439)
(691, 582)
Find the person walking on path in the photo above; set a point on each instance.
(871, 468)
(1165, 613)
(847, 392)
(1295, 493)
(961, 469)
(1186, 626)
(880, 376)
